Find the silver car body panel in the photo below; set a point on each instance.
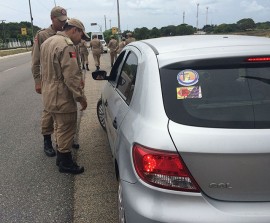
(218, 159)
(228, 164)
(147, 204)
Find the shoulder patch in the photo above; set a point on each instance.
(72, 54)
(69, 41)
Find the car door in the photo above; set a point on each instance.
(119, 93)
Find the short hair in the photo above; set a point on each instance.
(94, 36)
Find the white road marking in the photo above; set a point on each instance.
(9, 69)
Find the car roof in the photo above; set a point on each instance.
(176, 43)
(177, 48)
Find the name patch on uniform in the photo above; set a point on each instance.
(72, 54)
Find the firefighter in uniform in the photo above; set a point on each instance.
(58, 17)
(121, 45)
(97, 49)
(61, 89)
(84, 54)
(130, 38)
(113, 44)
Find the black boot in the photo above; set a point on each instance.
(75, 145)
(48, 148)
(87, 68)
(66, 164)
(83, 67)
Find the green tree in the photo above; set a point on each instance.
(263, 25)
(246, 24)
(184, 29)
(154, 33)
(225, 28)
(141, 33)
(168, 31)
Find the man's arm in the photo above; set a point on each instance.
(36, 63)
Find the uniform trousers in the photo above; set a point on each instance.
(65, 130)
(84, 57)
(47, 125)
(96, 57)
(113, 55)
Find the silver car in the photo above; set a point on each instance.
(104, 46)
(188, 123)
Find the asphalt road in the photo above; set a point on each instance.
(31, 188)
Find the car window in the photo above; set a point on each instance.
(222, 96)
(126, 81)
(116, 69)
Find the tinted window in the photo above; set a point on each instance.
(218, 93)
(126, 81)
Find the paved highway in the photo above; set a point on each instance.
(31, 188)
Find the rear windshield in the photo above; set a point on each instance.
(219, 93)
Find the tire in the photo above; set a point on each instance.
(121, 209)
(100, 114)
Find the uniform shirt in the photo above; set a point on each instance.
(83, 47)
(113, 44)
(41, 36)
(122, 44)
(129, 40)
(96, 46)
(61, 76)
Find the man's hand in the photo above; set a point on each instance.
(38, 88)
(82, 84)
(83, 103)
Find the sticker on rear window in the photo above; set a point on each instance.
(187, 77)
(189, 92)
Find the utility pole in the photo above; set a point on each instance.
(118, 13)
(206, 16)
(197, 25)
(110, 23)
(105, 22)
(183, 17)
(3, 32)
(31, 20)
(54, 3)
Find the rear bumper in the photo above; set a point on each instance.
(147, 204)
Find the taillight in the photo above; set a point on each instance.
(258, 59)
(163, 169)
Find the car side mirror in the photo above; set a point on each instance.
(99, 75)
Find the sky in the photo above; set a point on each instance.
(138, 13)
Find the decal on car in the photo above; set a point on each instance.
(187, 77)
(189, 92)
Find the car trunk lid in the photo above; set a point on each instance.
(227, 164)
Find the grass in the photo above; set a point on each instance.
(13, 51)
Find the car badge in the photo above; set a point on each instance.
(187, 77)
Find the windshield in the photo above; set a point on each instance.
(222, 95)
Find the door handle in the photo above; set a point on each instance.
(115, 123)
(106, 103)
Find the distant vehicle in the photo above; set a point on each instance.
(104, 45)
(187, 120)
(100, 35)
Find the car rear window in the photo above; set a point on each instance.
(219, 93)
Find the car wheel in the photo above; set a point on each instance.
(121, 209)
(100, 114)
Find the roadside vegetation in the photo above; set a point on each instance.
(13, 51)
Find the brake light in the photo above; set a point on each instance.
(258, 59)
(163, 169)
